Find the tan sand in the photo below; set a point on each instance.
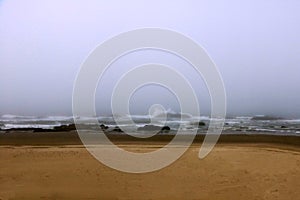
(231, 171)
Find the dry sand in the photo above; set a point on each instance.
(231, 171)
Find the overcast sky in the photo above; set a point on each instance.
(255, 44)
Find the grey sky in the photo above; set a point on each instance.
(255, 44)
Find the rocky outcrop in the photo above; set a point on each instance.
(103, 127)
(166, 128)
(70, 127)
(265, 117)
(154, 128)
(199, 124)
(117, 129)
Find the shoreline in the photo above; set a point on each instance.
(19, 138)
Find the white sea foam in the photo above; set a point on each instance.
(9, 116)
(43, 126)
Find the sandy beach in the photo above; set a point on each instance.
(65, 170)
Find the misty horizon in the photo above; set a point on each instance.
(255, 45)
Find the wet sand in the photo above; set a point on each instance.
(48, 167)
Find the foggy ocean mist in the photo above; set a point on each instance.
(43, 44)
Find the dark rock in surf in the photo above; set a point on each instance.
(117, 129)
(103, 127)
(265, 117)
(70, 127)
(199, 124)
(27, 129)
(154, 128)
(165, 129)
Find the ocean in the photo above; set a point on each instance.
(241, 124)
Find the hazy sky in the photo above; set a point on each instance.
(255, 44)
